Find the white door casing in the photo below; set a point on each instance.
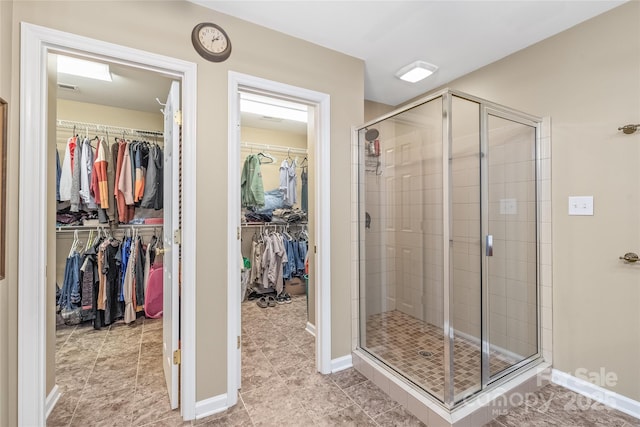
(36, 43)
(171, 297)
(322, 231)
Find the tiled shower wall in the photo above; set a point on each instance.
(403, 197)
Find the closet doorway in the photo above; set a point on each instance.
(253, 100)
(275, 236)
(38, 229)
(114, 252)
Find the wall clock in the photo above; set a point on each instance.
(211, 42)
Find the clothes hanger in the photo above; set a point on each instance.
(89, 240)
(269, 158)
(74, 244)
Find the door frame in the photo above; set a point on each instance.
(36, 43)
(322, 215)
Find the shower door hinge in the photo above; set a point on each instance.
(315, 249)
(238, 233)
(177, 117)
(177, 236)
(177, 357)
(238, 341)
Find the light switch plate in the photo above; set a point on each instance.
(580, 205)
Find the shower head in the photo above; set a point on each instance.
(629, 129)
(371, 134)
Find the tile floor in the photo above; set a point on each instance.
(114, 377)
(553, 405)
(397, 338)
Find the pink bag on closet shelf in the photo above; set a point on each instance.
(153, 298)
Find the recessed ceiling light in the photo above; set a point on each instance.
(416, 71)
(83, 68)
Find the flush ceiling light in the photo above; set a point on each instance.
(416, 71)
(83, 68)
(273, 108)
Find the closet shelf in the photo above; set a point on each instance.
(115, 130)
(111, 227)
(273, 224)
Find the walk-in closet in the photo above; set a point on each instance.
(108, 205)
(275, 159)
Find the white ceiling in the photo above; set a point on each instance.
(131, 88)
(457, 36)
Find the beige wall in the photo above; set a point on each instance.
(8, 291)
(588, 80)
(373, 110)
(166, 30)
(107, 115)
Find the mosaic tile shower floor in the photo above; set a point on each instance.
(398, 339)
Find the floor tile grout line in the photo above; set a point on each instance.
(348, 397)
(135, 386)
(62, 347)
(90, 373)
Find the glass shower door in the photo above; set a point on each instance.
(510, 246)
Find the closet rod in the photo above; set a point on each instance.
(274, 148)
(115, 130)
(112, 228)
(271, 224)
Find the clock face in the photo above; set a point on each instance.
(212, 39)
(211, 42)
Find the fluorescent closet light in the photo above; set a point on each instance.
(270, 110)
(83, 68)
(416, 71)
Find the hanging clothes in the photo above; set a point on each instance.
(99, 176)
(273, 260)
(251, 185)
(70, 298)
(141, 156)
(111, 156)
(113, 309)
(304, 196)
(257, 249)
(58, 173)
(86, 168)
(67, 169)
(138, 271)
(75, 178)
(153, 195)
(125, 180)
(125, 211)
(129, 303)
(288, 181)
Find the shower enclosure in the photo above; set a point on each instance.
(448, 292)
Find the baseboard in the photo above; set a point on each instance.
(311, 329)
(52, 399)
(211, 406)
(341, 363)
(597, 393)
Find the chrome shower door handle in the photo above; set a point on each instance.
(488, 245)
